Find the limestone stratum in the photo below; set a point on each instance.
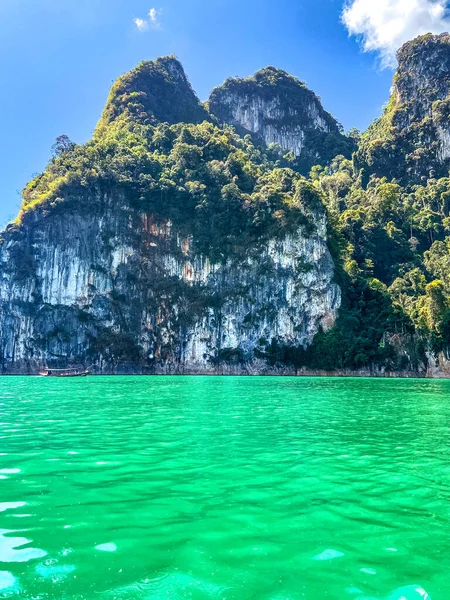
(248, 234)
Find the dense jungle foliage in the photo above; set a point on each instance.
(392, 247)
(389, 221)
(208, 181)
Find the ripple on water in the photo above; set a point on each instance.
(11, 549)
(175, 585)
(108, 547)
(328, 554)
(7, 581)
(410, 592)
(10, 505)
(354, 591)
(368, 571)
(309, 470)
(50, 569)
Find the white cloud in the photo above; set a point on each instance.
(152, 20)
(141, 24)
(384, 25)
(153, 14)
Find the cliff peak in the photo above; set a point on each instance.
(422, 47)
(265, 77)
(411, 140)
(278, 108)
(155, 91)
(423, 74)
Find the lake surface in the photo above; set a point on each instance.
(224, 488)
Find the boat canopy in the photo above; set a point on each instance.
(67, 372)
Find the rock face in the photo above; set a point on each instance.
(411, 141)
(422, 78)
(115, 289)
(280, 109)
(165, 244)
(173, 242)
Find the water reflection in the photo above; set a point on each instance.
(12, 550)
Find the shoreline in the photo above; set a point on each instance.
(435, 367)
(304, 374)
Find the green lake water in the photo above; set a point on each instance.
(224, 488)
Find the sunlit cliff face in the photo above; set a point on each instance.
(121, 294)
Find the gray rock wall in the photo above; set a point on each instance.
(112, 288)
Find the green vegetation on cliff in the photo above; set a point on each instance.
(273, 99)
(388, 208)
(405, 141)
(209, 182)
(154, 92)
(391, 245)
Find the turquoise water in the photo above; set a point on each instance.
(224, 488)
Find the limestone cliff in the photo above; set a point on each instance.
(163, 246)
(411, 141)
(280, 109)
(123, 292)
(184, 238)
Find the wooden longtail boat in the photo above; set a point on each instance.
(75, 372)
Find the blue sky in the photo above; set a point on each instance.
(58, 59)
